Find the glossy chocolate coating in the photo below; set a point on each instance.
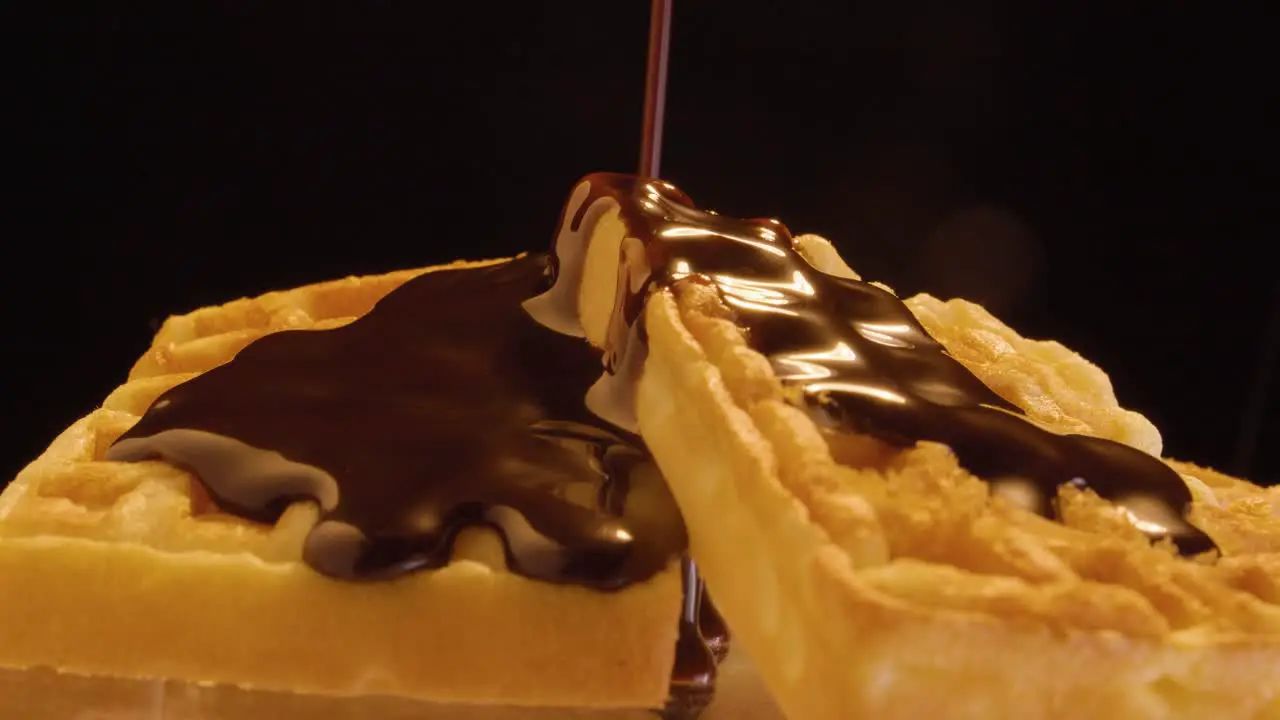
(865, 364)
(444, 407)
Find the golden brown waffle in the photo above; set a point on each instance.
(878, 583)
(45, 695)
(128, 570)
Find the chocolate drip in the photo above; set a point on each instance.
(865, 364)
(444, 407)
(715, 633)
(694, 675)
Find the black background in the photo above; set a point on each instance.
(1093, 176)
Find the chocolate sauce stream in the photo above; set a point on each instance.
(444, 407)
(655, 88)
(693, 677)
(866, 365)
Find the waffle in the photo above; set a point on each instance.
(46, 695)
(129, 570)
(872, 581)
(876, 577)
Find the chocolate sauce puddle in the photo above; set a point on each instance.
(862, 360)
(444, 407)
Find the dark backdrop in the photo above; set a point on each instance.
(1090, 175)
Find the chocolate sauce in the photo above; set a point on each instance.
(866, 365)
(711, 626)
(694, 675)
(444, 407)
